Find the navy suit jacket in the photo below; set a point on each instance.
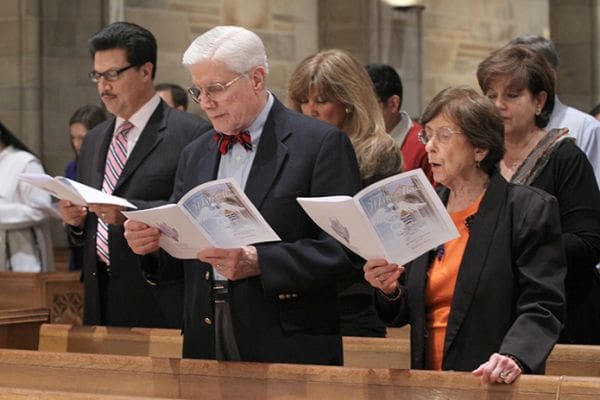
(289, 312)
(146, 180)
(509, 294)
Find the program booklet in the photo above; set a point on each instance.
(398, 218)
(73, 191)
(215, 214)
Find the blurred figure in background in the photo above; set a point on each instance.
(333, 86)
(389, 90)
(25, 241)
(82, 120)
(174, 95)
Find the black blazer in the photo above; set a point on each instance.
(288, 313)
(509, 295)
(147, 180)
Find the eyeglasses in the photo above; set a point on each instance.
(213, 91)
(111, 75)
(441, 134)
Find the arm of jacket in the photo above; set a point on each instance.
(307, 260)
(579, 200)
(540, 269)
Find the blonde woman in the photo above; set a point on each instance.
(333, 86)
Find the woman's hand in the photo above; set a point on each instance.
(383, 276)
(499, 368)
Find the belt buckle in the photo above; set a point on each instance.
(220, 293)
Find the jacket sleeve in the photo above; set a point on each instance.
(540, 270)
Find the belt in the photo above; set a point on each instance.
(220, 291)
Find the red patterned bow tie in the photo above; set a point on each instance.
(226, 142)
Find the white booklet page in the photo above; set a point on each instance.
(214, 214)
(73, 191)
(398, 218)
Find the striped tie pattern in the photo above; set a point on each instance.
(115, 161)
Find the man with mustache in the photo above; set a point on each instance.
(132, 155)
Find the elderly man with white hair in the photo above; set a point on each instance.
(271, 302)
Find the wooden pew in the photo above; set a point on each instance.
(20, 329)
(60, 292)
(358, 352)
(177, 378)
(11, 393)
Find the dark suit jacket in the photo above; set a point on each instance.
(288, 313)
(509, 295)
(147, 180)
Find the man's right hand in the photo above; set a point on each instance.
(72, 214)
(142, 238)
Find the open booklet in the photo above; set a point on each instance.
(214, 214)
(398, 218)
(73, 191)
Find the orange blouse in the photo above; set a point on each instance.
(440, 286)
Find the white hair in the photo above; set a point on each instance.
(236, 47)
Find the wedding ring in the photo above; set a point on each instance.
(503, 375)
(217, 266)
(103, 215)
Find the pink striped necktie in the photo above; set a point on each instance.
(115, 161)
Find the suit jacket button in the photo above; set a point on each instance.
(207, 321)
(207, 275)
(281, 297)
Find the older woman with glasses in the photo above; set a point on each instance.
(492, 300)
(521, 84)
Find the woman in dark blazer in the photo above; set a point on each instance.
(492, 300)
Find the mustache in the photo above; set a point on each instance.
(102, 94)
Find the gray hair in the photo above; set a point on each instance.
(236, 47)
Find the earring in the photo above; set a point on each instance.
(538, 111)
(348, 110)
(477, 164)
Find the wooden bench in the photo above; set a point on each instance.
(20, 329)
(11, 393)
(358, 352)
(60, 292)
(177, 378)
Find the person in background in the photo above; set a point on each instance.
(389, 90)
(267, 302)
(521, 84)
(492, 300)
(132, 155)
(25, 211)
(582, 127)
(333, 86)
(174, 95)
(82, 120)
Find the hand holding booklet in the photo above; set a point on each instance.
(398, 218)
(73, 191)
(214, 214)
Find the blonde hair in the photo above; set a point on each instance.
(339, 76)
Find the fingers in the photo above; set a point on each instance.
(234, 264)
(382, 276)
(108, 213)
(499, 368)
(141, 238)
(72, 214)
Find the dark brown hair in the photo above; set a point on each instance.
(477, 118)
(526, 68)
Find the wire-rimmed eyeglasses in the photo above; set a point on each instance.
(111, 75)
(441, 134)
(211, 91)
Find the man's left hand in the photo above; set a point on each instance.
(234, 264)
